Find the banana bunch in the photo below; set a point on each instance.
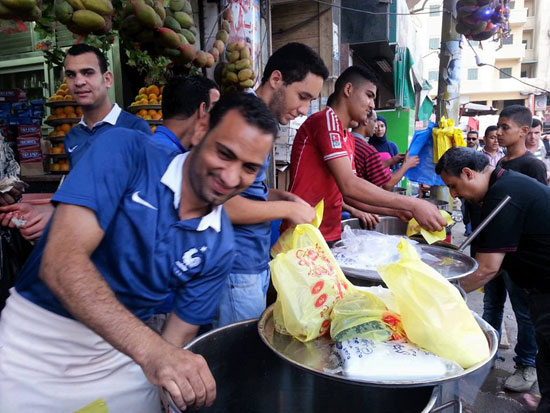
(85, 16)
(479, 19)
(26, 10)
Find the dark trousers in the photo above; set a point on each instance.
(539, 307)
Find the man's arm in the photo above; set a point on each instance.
(68, 271)
(360, 190)
(402, 214)
(368, 220)
(408, 163)
(489, 266)
(281, 205)
(178, 332)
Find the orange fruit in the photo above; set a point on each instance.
(55, 167)
(62, 115)
(152, 96)
(157, 116)
(64, 167)
(152, 112)
(69, 110)
(58, 111)
(60, 133)
(153, 89)
(142, 112)
(66, 127)
(68, 97)
(61, 92)
(160, 112)
(147, 117)
(63, 86)
(143, 102)
(142, 91)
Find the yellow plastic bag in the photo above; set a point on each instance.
(434, 315)
(446, 136)
(430, 236)
(364, 315)
(308, 281)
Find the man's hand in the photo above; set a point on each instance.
(368, 221)
(299, 213)
(403, 215)
(14, 194)
(395, 159)
(37, 217)
(410, 161)
(428, 216)
(185, 375)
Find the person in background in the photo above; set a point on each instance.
(538, 146)
(517, 239)
(122, 238)
(186, 102)
(322, 160)
(389, 152)
(292, 78)
(88, 81)
(492, 149)
(472, 139)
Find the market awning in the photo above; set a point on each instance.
(476, 109)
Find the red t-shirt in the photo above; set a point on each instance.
(368, 163)
(320, 139)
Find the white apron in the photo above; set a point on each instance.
(50, 363)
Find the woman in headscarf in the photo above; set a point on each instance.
(388, 150)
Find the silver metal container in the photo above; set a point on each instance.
(251, 377)
(438, 203)
(387, 225)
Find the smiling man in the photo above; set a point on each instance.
(517, 239)
(121, 240)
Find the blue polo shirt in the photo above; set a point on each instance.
(166, 137)
(147, 252)
(80, 138)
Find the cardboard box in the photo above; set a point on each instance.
(12, 95)
(28, 142)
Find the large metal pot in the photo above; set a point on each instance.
(387, 225)
(250, 377)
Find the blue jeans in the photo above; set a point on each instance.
(493, 311)
(243, 298)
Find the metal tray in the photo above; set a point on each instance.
(61, 121)
(314, 356)
(137, 108)
(58, 103)
(452, 264)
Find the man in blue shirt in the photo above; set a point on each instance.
(292, 78)
(132, 225)
(186, 102)
(88, 81)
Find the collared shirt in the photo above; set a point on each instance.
(147, 252)
(111, 117)
(493, 158)
(166, 137)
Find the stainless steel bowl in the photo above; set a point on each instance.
(387, 225)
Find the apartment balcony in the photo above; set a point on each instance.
(530, 56)
(511, 52)
(530, 23)
(518, 16)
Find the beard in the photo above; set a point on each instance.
(277, 103)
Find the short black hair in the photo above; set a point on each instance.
(354, 75)
(535, 123)
(518, 113)
(472, 131)
(252, 109)
(82, 48)
(182, 96)
(295, 61)
(457, 158)
(490, 129)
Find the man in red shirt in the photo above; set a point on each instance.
(322, 160)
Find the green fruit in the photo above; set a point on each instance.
(172, 23)
(176, 5)
(147, 15)
(171, 53)
(193, 29)
(190, 36)
(20, 5)
(245, 53)
(200, 59)
(185, 20)
(188, 53)
(88, 20)
(160, 10)
(247, 83)
(231, 67)
(231, 46)
(222, 35)
(169, 38)
(63, 11)
(232, 77)
(131, 25)
(244, 74)
(215, 53)
(243, 64)
(233, 56)
(77, 4)
(103, 7)
(218, 44)
(149, 2)
(210, 60)
(187, 7)
(226, 26)
(183, 39)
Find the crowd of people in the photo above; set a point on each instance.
(151, 237)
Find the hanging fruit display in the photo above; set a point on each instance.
(482, 19)
(25, 10)
(85, 16)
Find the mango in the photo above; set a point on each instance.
(200, 59)
(222, 35)
(88, 20)
(190, 36)
(160, 10)
(187, 7)
(247, 83)
(146, 15)
(210, 60)
(243, 64)
(131, 25)
(218, 44)
(63, 11)
(185, 20)
(226, 26)
(215, 54)
(244, 74)
(77, 4)
(20, 5)
(193, 29)
(183, 39)
(103, 7)
(171, 53)
(169, 38)
(230, 67)
(231, 46)
(172, 23)
(188, 53)
(245, 53)
(232, 77)
(176, 5)
(228, 15)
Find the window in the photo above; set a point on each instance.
(509, 40)
(505, 73)
(472, 74)
(434, 43)
(434, 10)
(433, 75)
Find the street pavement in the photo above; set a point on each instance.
(492, 397)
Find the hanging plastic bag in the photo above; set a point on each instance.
(430, 236)
(422, 145)
(308, 281)
(434, 315)
(364, 315)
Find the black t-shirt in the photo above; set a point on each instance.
(527, 164)
(521, 229)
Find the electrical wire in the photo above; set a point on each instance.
(412, 13)
(480, 63)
